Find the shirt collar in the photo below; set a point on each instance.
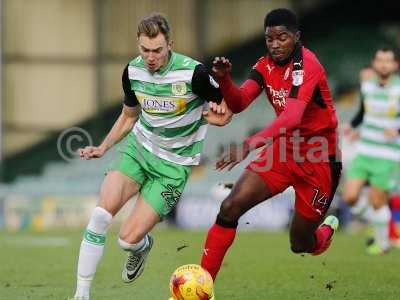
(167, 67)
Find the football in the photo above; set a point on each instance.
(191, 282)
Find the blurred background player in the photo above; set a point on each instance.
(164, 120)
(296, 86)
(378, 151)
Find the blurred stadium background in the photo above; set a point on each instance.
(61, 66)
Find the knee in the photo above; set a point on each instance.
(100, 220)
(378, 200)
(350, 199)
(377, 205)
(230, 209)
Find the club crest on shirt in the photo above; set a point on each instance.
(179, 88)
(297, 76)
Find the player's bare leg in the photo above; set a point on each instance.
(134, 238)
(116, 190)
(352, 190)
(249, 191)
(302, 238)
(360, 207)
(359, 204)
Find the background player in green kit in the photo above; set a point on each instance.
(165, 119)
(378, 150)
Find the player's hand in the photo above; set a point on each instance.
(218, 114)
(391, 133)
(351, 134)
(234, 155)
(221, 66)
(90, 152)
(347, 129)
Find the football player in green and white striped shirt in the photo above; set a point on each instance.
(378, 150)
(165, 120)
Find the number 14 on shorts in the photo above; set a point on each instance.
(320, 201)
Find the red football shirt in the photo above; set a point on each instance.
(306, 82)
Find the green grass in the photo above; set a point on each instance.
(259, 266)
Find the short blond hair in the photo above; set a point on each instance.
(154, 24)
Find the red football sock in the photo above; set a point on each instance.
(219, 239)
(323, 239)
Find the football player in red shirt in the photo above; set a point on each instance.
(301, 143)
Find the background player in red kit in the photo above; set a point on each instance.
(301, 142)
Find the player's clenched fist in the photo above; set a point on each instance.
(221, 66)
(90, 152)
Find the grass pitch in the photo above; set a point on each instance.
(258, 267)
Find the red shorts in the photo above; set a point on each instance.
(314, 183)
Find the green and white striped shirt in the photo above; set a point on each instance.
(171, 124)
(382, 111)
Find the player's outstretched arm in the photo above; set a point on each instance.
(218, 114)
(121, 128)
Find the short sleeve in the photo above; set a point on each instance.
(130, 96)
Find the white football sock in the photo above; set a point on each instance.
(91, 250)
(139, 246)
(380, 222)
